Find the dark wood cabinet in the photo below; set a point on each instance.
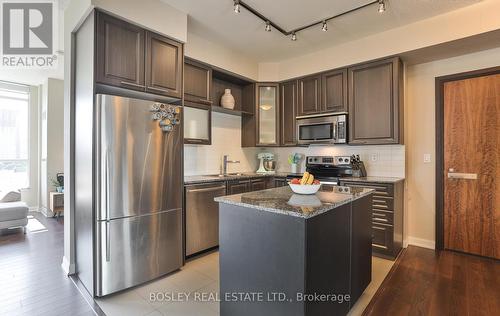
(258, 184)
(197, 82)
(163, 65)
(119, 53)
(280, 182)
(334, 91)
(387, 216)
(309, 95)
(375, 103)
(288, 112)
(238, 186)
(130, 57)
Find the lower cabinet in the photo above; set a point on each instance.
(279, 182)
(238, 186)
(258, 184)
(387, 216)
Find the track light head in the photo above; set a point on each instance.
(324, 28)
(294, 36)
(381, 6)
(236, 6)
(268, 26)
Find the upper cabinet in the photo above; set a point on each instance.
(120, 53)
(334, 91)
(288, 112)
(130, 57)
(267, 111)
(197, 82)
(163, 65)
(375, 103)
(309, 94)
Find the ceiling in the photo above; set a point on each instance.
(215, 20)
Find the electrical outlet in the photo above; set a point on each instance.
(374, 157)
(427, 158)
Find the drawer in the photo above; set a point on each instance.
(381, 189)
(383, 217)
(382, 238)
(383, 203)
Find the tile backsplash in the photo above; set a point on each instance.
(386, 160)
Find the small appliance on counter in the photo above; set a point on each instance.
(328, 169)
(267, 163)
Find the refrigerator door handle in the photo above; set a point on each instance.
(108, 241)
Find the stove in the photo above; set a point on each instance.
(328, 169)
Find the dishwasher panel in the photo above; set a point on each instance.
(202, 216)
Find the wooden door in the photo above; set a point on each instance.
(197, 82)
(334, 91)
(472, 165)
(120, 53)
(163, 65)
(375, 103)
(309, 95)
(288, 110)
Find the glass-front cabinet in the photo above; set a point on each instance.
(197, 129)
(267, 114)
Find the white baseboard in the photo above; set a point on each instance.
(34, 209)
(424, 243)
(67, 267)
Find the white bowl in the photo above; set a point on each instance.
(304, 189)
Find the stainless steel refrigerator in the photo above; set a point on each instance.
(128, 194)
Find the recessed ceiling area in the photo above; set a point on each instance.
(216, 21)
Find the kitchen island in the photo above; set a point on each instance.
(288, 254)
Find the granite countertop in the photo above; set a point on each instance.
(242, 176)
(283, 201)
(373, 179)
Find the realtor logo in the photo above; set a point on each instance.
(27, 28)
(28, 34)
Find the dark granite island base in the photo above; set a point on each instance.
(287, 254)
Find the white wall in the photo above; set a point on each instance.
(224, 57)
(468, 21)
(226, 140)
(420, 137)
(52, 138)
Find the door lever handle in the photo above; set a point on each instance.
(460, 175)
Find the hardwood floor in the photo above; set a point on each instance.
(32, 281)
(425, 282)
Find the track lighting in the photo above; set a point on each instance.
(268, 26)
(381, 6)
(324, 28)
(236, 6)
(294, 37)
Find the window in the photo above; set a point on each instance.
(14, 136)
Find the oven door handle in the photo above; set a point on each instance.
(328, 182)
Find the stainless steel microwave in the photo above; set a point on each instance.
(324, 129)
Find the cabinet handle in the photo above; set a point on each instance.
(132, 84)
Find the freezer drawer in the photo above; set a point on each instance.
(202, 216)
(137, 249)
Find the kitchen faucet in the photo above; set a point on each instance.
(225, 161)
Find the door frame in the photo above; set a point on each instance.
(440, 81)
